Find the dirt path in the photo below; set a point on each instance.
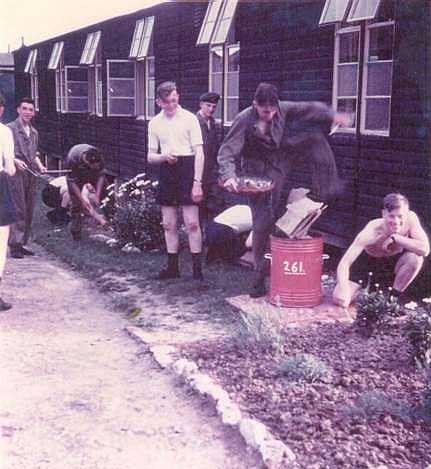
(77, 392)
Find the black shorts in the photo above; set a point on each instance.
(383, 269)
(176, 182)
(7, 208)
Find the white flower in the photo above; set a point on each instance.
(411, 305)
(136, 192)
(426, 300)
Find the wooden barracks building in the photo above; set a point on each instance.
(367, 57)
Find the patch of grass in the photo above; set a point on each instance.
(96, 260)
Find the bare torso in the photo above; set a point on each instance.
(377, 234)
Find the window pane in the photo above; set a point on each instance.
(230, 8)
(232, 108)
(362, 9)
(77, 104)
(151, 67)
(348, 106)
(139, 29)
(122, 69)
(233, 84)
(233, 61)
(151, 88)
(379, 79)
(222, 31)
(151, 107)
(77, 88)
(217, 59)
(377, 114)
(216, 83)
(349, 44)
(213, 10)
(335, 11)
(381, 43)
(217, 114)
(122, 106)
(121, 88)
(347, 80)
(77, 74)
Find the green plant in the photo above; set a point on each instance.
(375, 308)
(261, 330)
(419, 331)
(305, 367)
(375, 404)
(134, 214)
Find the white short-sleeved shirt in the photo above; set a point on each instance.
(6, 147)
(176, 135)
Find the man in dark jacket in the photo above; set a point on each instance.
(23, 183)
(208, 106)
(265, 139)
(86, 165)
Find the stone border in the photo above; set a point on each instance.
(273, 452)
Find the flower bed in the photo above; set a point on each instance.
(364, 408)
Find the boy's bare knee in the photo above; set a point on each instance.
(169, 226)
(192, 227)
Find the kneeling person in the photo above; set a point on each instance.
(397, 237)
(86, 166)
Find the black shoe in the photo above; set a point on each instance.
(16, 253)
(4, 306)
(197, 275)
(76, 236)
(26, 251)
(166, 274)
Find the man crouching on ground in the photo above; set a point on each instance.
(86, 165)
(396, 241)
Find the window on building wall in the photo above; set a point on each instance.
(76, 80)
(333, 11)
(31, 69)
(56, 62)
(218, 32)
(364, 51)
(92, 57)
(121, 87)
(142, 52)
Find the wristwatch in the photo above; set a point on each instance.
(197, 180)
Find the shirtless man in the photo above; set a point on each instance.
(398, 237)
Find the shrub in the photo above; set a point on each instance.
(419, 332)
(375, 404)
(305, 367)
(375, 308)
(134, 214)
(260, 330)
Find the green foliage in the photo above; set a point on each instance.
(260, 330)
(305, 367)
(134, 214)
(375, 308)
(419, 333)
(375, 404)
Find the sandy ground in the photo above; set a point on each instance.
(77, 392)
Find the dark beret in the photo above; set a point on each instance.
(210, 97)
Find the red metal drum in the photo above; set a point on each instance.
(296, 271)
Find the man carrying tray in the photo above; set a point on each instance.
(263, 142)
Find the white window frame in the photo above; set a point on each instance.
(31, 69)
(224, 74)
(385, 133)
(338, 32)
(137, 38)
(67, 110)
(60, 86)
(339, 17)
(148, 113)
(355, 3)
(90, 48)
(57, 52)
(221, 19)
(214, 6)
(111, 98)
(142, 37)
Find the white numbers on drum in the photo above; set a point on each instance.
(293, 268)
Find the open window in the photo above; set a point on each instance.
(31, 69)
(92, 57)
(121, 88)
(363, 55)
(218, 31)
(76, 81)
(56, 62)
(142, 55)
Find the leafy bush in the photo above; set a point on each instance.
(261, 330)
(305, 367)
(419, 332)
(375, 404)
(134, 214)
(375, 308)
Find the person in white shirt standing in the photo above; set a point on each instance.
(175, 143)
(7, 209)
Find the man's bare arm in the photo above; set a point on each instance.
(417, 241)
